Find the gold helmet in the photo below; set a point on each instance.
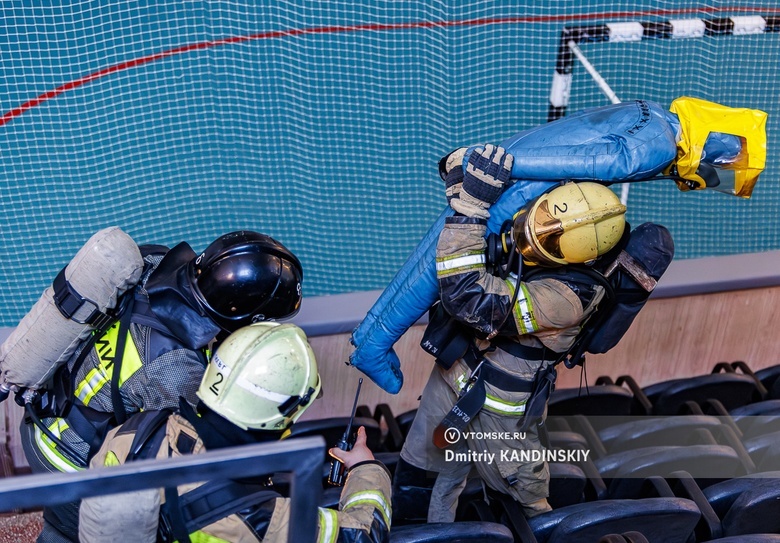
(571, 224)
(262, 377)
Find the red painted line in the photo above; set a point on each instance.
(633, 15)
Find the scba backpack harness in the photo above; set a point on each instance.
(628, 275)
(185, 514)
(90, 305)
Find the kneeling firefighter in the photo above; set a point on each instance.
(511, 307)
(260, 381)
(146, 352)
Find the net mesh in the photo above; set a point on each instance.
(321, 123)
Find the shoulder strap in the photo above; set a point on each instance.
(124, 329)
(206, 504)
(574, 355)
(149, 427)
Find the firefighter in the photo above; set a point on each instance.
(490, 398)
(156, 351)
(260, 381)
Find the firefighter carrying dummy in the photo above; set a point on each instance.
(514, 328)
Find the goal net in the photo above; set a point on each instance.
(321, 123)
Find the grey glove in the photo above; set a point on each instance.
(487, 173)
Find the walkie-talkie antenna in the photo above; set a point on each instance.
(348, 431)
(336, 475)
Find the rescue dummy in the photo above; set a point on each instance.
(121, 331)
(698, 144)
(516, 320)
(259, 382)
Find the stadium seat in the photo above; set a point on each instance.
(764, 449)
(654, 431)
(757, 418)
(770, 378)
(731, 389)
(452, 532)
(754, 511)
(567, 484)
(394, 439)
(671, 520)
(722, 496)
(597, 401)
(708, 464)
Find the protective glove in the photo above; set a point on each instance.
(453, 183)
(487, 173)
(451, 172)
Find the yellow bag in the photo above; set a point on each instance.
(698, 119)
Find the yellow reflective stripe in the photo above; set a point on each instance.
(91, 385)
(329, 526)
(524, 309)
(497, 405)
(49, 449)
(452, 265)
(202, 537)
(111, 459)
(105, 347)
(372, 498)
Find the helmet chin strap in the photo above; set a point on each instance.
(217, 432)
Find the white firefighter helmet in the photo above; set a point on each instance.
(262, 377)
(571, 224)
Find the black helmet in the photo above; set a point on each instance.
(245, 277)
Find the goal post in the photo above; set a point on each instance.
(622, 32)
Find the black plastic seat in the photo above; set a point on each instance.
(567, 484)
(654, 431)
(452, 532)
(754, 511)
(770, 378)
(707, 464)
(723, 495)
(597, 400)
(671, 520)
(757, 418)
(731, 389)
(404, 421)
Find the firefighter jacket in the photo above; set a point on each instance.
(157, 368)
(547, 312)
(363, 515)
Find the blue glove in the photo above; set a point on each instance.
(487, 173)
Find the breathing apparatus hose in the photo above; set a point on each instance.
(30, 411)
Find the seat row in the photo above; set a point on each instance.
(690, 460)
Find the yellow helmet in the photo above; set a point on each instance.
(571, 224)
(262, 377)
